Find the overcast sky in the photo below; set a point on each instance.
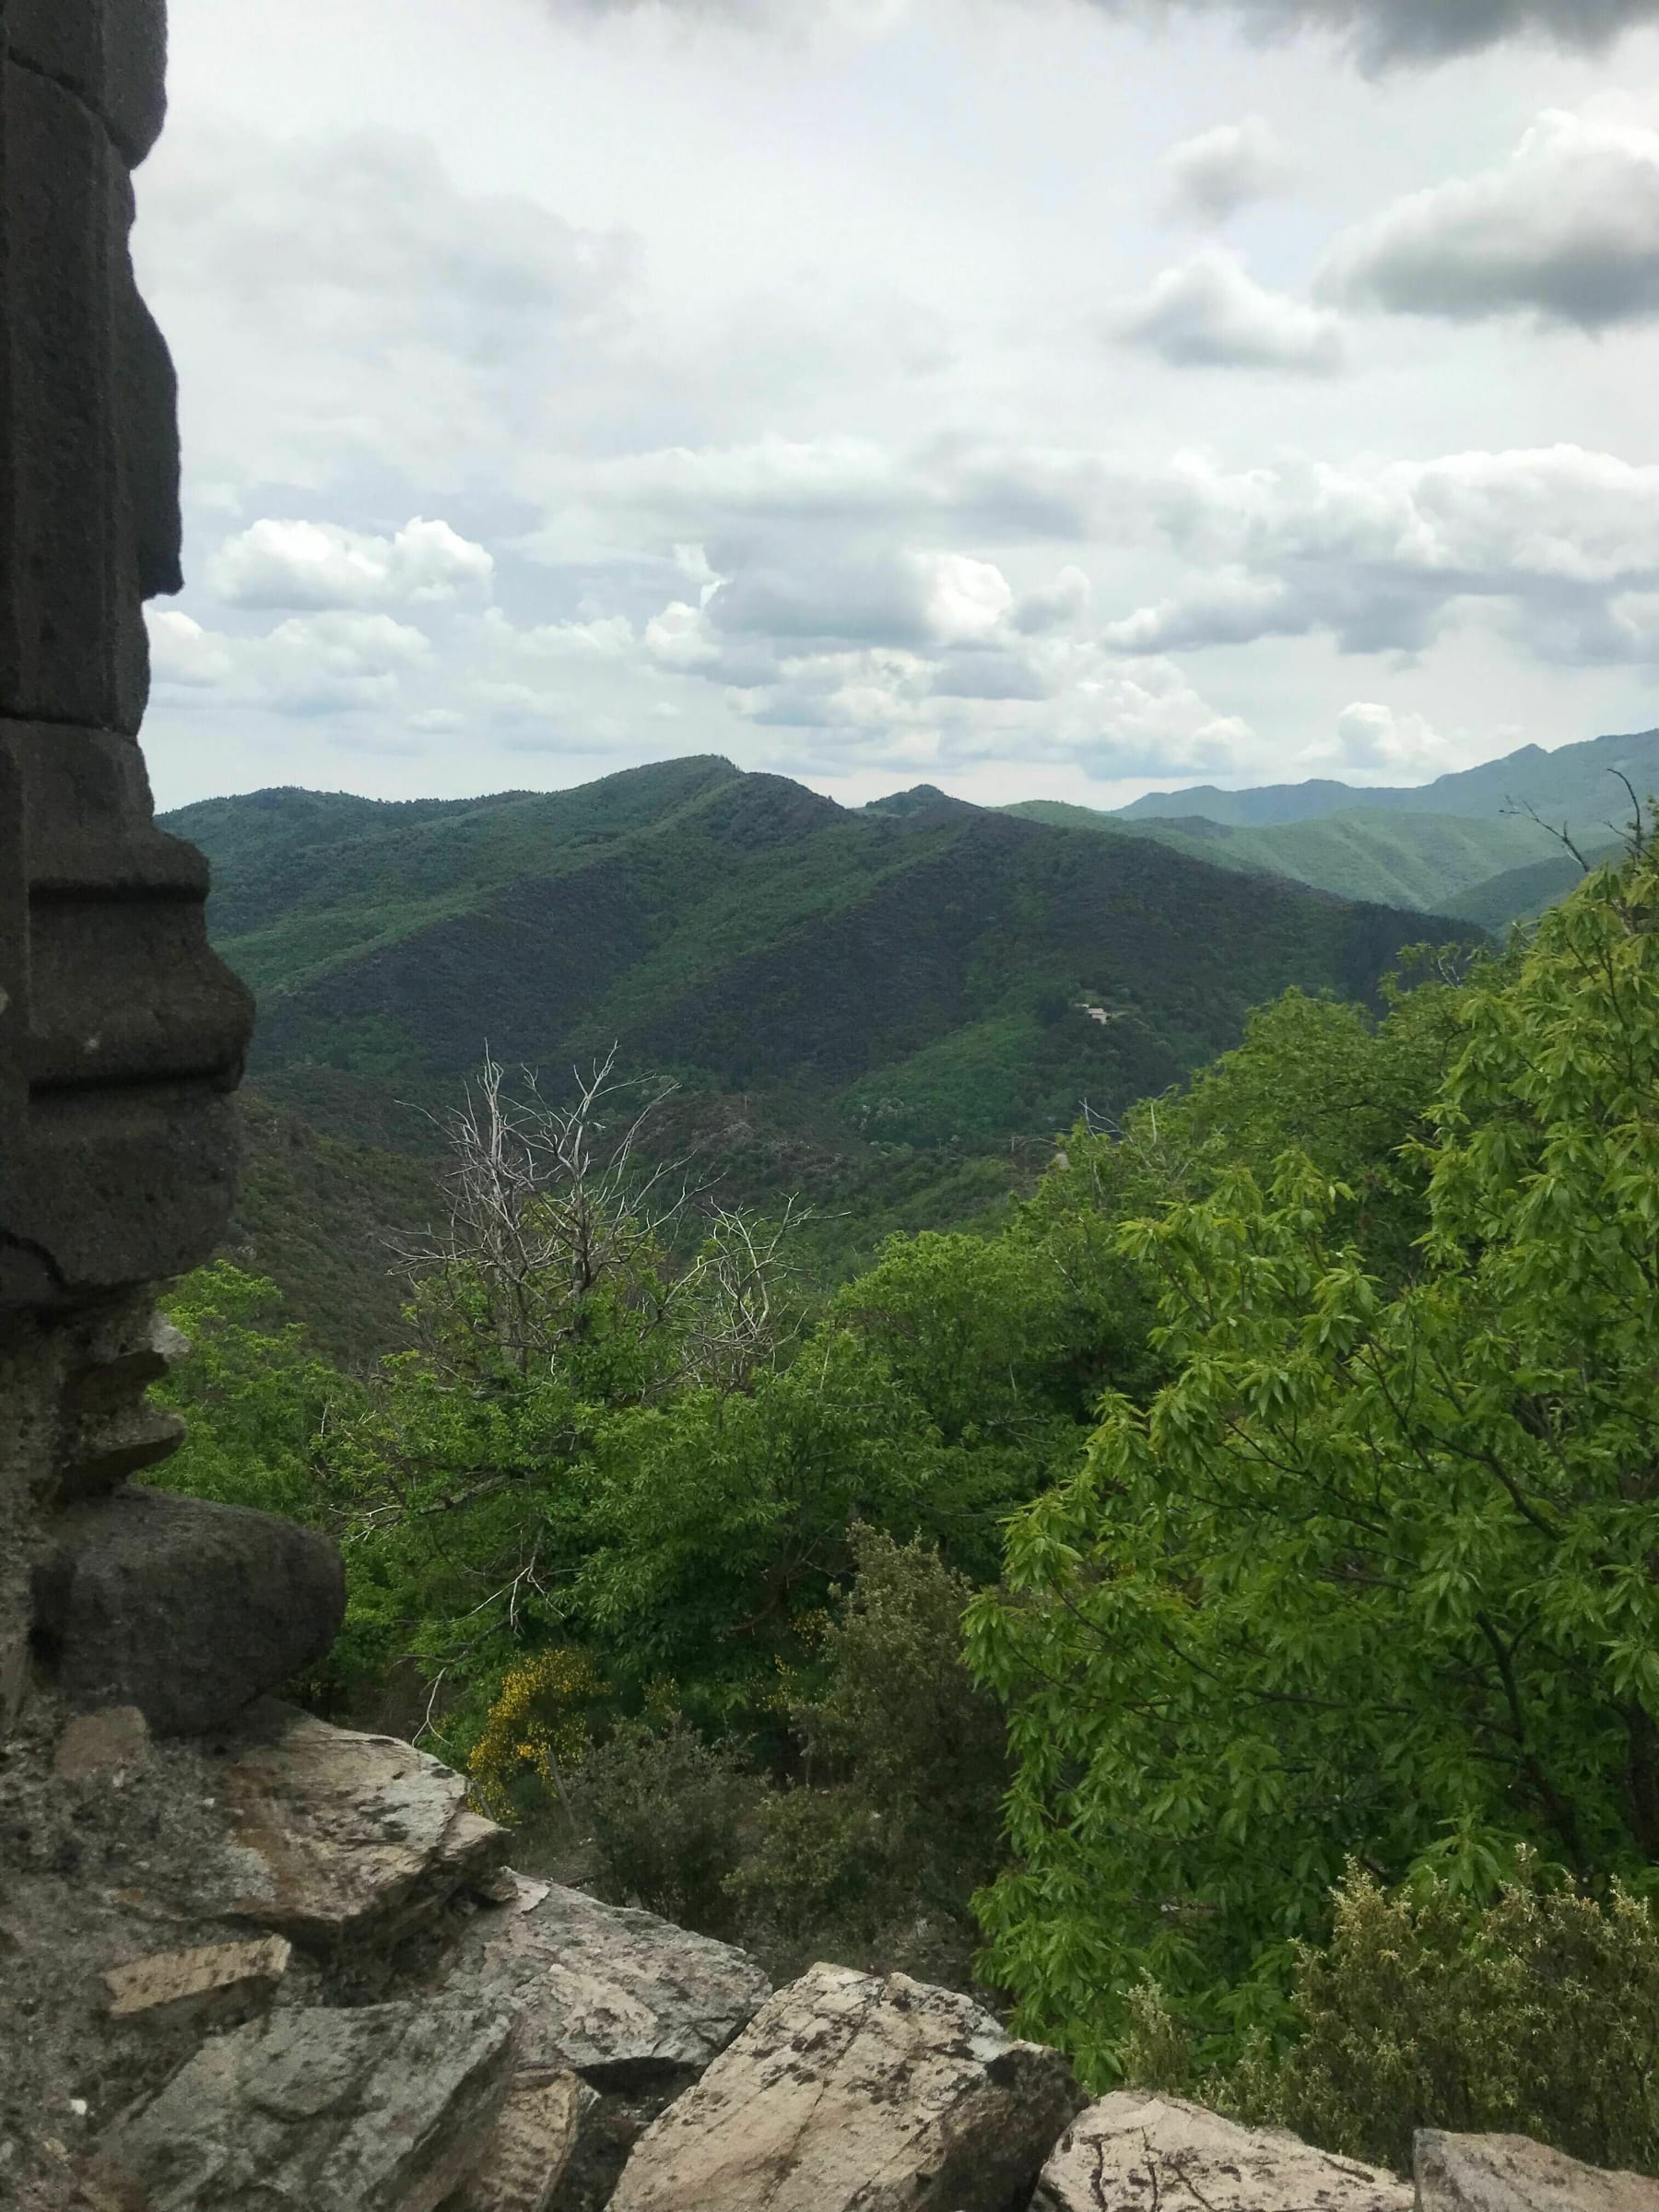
(1037, 397)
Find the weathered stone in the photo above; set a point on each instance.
(215, 1974)
(619, 1997)
(355, 1837)
(186, 1609)
(385, 2108)
(847, 2093)
(1512, 2173)
(527, 2157)
(109, 54)
(101, 1746)
(1141, 2153)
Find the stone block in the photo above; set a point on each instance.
(65, 561)
(112, 54)
(617, 1996)
(186, 1609)
(172, 1985)
(1512, 2173)
(526, 2158)
(121, 1035)
(846, 2093)
(355, 1839)
(1141, 2153)
(381, 2107)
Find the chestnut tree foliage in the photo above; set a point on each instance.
(1373, 1573)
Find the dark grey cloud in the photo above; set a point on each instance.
(1383, 31)
(1567, 230)
(1379, 33)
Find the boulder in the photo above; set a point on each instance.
(185, 1609)
(527, 2157)
(1512, 2173)
(618, 1997)
(348, 1838)
(849, 2093)
(1141, 2153)
(384, 2108)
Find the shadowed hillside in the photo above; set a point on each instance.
(922, 972)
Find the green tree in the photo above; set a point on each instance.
(1373, 1574)
(261, 1408)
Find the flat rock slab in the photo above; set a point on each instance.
(1133, 2152)
(527, 2157)
(1512, 2173)
(616, 1995)
(170, 1984)
(383, 2107)
(351, 1837)
(849, 2093)
(185, 1609)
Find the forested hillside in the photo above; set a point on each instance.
(920, 973)
(1287, 1453)
(1575, 785)
(1423, 860)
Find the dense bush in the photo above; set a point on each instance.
(1536, 2014)
(874, 1854)
(668, 1817)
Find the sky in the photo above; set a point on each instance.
(1039, 398)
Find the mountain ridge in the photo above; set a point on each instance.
(914, 974)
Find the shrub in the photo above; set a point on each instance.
(534, 1733)
(669, 1817)
(875, 1855)
(1536, 2015)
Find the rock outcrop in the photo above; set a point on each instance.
(1512, 2173)
(1140, 2153)
(348, 1840)
(383, 2107)
(624, 1999)
(847, 2093)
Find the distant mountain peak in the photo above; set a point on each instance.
(921, 798)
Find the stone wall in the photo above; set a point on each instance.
(121, 1035)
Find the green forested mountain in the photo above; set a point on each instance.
(1523, 894)
(1423, 860)
(922, 973)
(1576, 785)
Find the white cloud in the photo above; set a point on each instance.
(1056, 605)
(963, 600)
(358, 305)
(1370, 737)
(321, 664)
(302, 564)
(1209, 312)
(1379, 555)
(1565, 231)
(1212, 176)
(681, 636)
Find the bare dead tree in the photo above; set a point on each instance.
(737, 1287)
(546, 1204)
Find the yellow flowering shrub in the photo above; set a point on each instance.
(535, 1730)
